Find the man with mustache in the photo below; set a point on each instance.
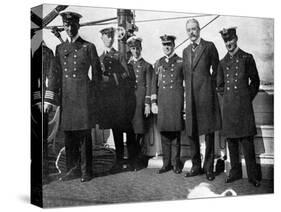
(202, 107)
(72, 84)
(167, 102)
(238, 77)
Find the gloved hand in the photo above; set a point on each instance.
(154, 108)
(146, 110)
(47, 107)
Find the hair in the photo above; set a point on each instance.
(194, 21)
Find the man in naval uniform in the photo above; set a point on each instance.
(167, 98)
(41, 64)
(143, 72)
(117, 99)
(202, 111)
(238, 77)
(76, 76)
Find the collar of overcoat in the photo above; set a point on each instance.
(198, 53)
(70, 47)
(111, 52)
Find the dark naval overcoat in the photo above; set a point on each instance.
(168, 92)
(75, 76)
(116, 96)
(143, 72)
(238, 76)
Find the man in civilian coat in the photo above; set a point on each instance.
(117, 98)
(202, 107)
(167, 97)
(143, 72)
(75, 76)
(238, 77)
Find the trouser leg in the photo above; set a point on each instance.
(250, 157)
(236, 168)
(86, 152)
(175, 149)
(195, 151)
(132, 146)
(166, 149)
(119, 143)
(209, 152)
(71, 149)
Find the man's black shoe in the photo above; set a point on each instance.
(164, 169)
(255, 183)
(210, 176)
(231, 179)
(176, 169)
(85, 178)
(193, 172)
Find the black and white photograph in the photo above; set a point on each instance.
(131, 105)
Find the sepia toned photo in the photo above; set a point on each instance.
(134, 106)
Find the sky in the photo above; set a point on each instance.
(255, 35)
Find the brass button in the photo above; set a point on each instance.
(64, 63)
(235, 87)
(237, 61)
(65, 69)
(75, 55)
(75, 69)
(66, 76)
(227, 88)
(236, 67)
(171, 86)
(74, 62)
(227, 81)
(172, 81)
(227, 68)
(164, 87)
(74, 75)
(75, 50)
(227, 75)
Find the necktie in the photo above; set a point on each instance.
(194, 45)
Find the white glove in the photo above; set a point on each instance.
(47, 107)
(146, 110)
(154, 108)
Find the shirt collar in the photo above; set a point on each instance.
(234, 52)
(198, 41)
(107, 50)
(73, 39)
(167, 58)
(136, 59)
(132, 58)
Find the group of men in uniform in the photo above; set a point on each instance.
(120, 94)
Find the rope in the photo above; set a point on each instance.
(166, 19)
(201, 29)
